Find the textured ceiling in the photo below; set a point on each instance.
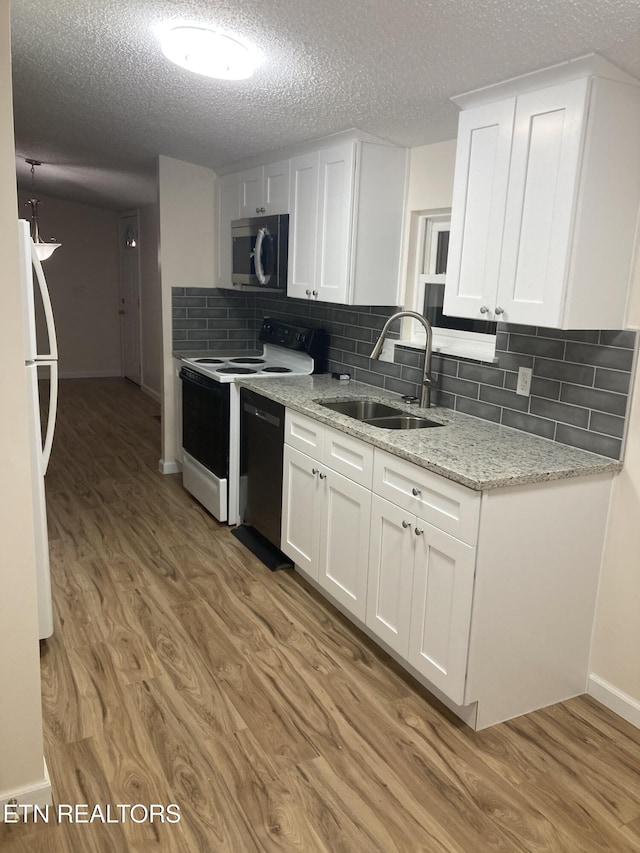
(96, 101)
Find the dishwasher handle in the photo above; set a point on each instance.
(263, 416)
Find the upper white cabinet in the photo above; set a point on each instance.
(265, 190)
(347, 209)
(545, 199)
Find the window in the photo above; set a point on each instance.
(451, 335)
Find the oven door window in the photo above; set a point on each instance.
(205, 423)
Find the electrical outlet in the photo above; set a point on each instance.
(524, 381)
(388, 349)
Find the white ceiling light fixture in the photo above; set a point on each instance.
(44, 249)
(206, 51)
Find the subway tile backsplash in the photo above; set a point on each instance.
(580, 383)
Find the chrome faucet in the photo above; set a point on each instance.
(427, 381)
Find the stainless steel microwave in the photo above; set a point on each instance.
(260, 251)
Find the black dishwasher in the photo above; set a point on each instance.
(261, 448)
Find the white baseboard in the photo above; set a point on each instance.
(39, 794)
(90, 374)
(151, 393)
(620, 703)
(169, 467)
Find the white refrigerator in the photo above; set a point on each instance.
(41, 364)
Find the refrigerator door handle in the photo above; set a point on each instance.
(51, 419)
(48, 311)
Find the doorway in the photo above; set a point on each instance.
(130, 338)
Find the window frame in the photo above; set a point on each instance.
(465, 344)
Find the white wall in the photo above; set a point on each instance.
(187, 259)
(83, 280)
(615, 656)
(430, 188)
(151, 301)
(21, 757)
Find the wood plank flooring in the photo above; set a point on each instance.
(183, 671)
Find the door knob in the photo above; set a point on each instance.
(415, 492)
(315, 292)
(406, 524)
(499, 310)
(323, 476)
(314, 471)
(308, 292)
(484, 309)
(418, 532)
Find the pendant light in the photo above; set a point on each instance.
(44, 249)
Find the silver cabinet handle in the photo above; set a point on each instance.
(323, 476)
(415, 492)
(499, 310)
(314, 471)
(484, 309)
(418, 532)
(406, 524)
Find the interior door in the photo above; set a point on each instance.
(129, 249)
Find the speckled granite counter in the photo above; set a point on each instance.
(476, 453)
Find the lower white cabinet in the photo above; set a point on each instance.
(487, 598)
(420, 591)
(325, 528)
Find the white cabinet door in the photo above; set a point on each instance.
(335, 222)
(344, 540)
(303, 207)
(228, 209)
(443, 577)
(300, 510)
(478, 210)
(252, 192)
(543, 180)
(264, 191)
(390, 574)
(276, 187)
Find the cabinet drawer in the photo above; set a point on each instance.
(441, 502)
(348, 456)
(304, 433)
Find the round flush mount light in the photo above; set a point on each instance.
(204, 50)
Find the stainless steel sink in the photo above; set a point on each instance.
(403, 422)
(361, 410)
(379, 414)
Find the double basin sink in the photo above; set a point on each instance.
(379, 414)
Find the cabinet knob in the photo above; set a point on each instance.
(406, 524)
(308, 292)
(323, 476)
(257, 210)
(499, 310)
(484, 309)
(314, 471)
(415, 492)
(418, 531)
(315, 292)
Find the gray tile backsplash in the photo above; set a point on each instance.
(580, 383)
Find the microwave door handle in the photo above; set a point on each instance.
(257, 256)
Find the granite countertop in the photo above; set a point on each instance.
(470, 451)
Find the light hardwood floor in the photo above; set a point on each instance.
(183, 671)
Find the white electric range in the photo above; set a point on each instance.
(211, 409)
